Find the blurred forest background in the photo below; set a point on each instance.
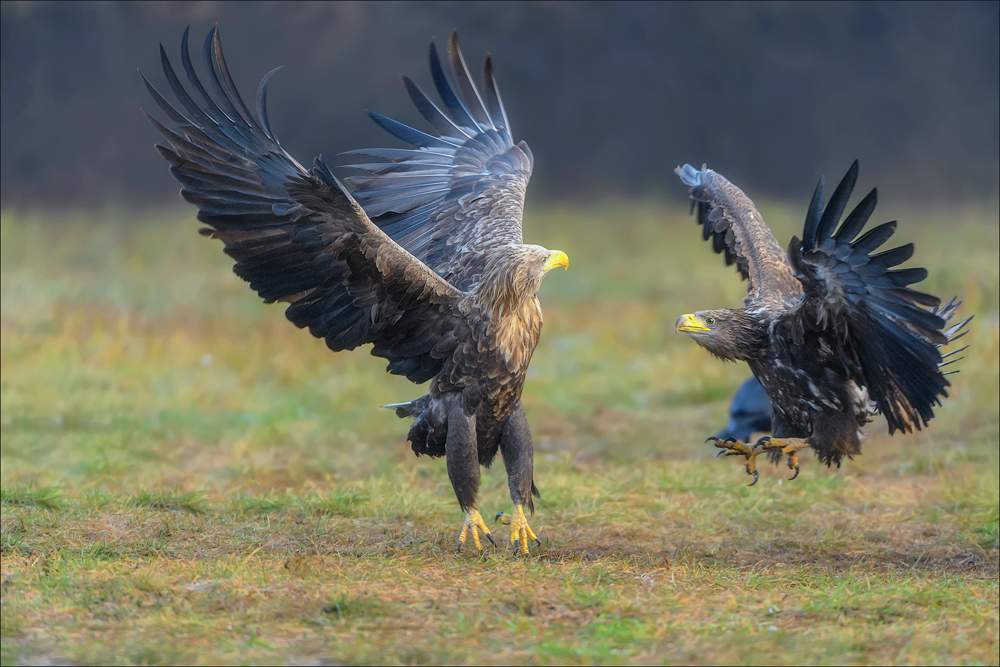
(610, 96)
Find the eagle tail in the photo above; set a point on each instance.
(413, 408)
(426, 437)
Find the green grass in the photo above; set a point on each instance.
(47, 498)
(192, 502)
(188, 478)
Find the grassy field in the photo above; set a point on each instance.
(186, 477)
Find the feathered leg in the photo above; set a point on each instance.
(518, 458)
(462, 456)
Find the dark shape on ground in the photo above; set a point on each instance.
(749, 412)
(831, 331)
(441, 284)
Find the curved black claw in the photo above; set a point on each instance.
(723, 445)
(520, 532)
(793, 464)
(711, 439)
(756, 476)
(473, 525)
(494, 542)
(497, 517)
(518, 551)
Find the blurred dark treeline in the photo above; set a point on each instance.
(610, 96)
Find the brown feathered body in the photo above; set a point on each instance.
(808, 380)
(832, 333)
(489, 368)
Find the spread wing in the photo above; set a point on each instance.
(460, 190)
(737, 231)
(890, 331)
(295, 234)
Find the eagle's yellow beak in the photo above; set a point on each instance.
(689, 323)
(556, 259)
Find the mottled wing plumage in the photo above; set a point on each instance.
(887, 328)
(296, 235)
(459, 191)
(736, 230)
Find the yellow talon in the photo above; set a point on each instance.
(520, 531)
(733, 447)
(789, 447)
(774, 447)
(473, 524)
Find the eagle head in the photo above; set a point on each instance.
(514, 273)
(728, 334)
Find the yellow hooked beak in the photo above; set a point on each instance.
(689, 323)
(556, 259)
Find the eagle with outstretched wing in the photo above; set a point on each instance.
(423, 260)
(833, 333)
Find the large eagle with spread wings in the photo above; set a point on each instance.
(423, 259)
(833, 333)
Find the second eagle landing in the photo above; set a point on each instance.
(831, 331)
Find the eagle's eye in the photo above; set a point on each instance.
(709, 321)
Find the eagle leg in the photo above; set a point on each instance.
(473, 524)
(517, 451)
(733, 447)
(778, 447)
(461, 455)
(520, 531)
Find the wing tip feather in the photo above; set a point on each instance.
(689, 175)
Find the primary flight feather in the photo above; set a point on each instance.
(424, 260)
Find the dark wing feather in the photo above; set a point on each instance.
(461, 191)
(473, 102)
(737, 231)
(497, 112)
(297, 236)
(893, 339)
(952, 333)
